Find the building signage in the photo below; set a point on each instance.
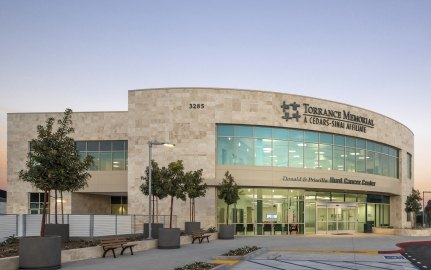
(326, 117)
(330, 180)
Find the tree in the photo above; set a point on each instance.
(53, 162)
(174, 183)
(194, 189)
(157, 185)
(228, 192)
(413, 204)
(428, 212)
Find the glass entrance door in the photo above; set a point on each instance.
(336, 217)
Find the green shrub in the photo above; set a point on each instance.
(241, 251)
(196, 266)
(211, 230)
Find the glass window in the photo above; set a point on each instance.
(338, 158)
(350, 159)
(393, 167)
(264, 146)
(323, 196)
(262, 132)
(370, 162)
(280, 153)
(385, 150)
(409, 165)
(311, 155)
(96, 165)
(325, 157)
(385, 165)
(377, 164)
(224, 130)
(105, 146)
(351, 142)
(339, 140)
(393, 152)
(370, 146)
(280, 133)
(350, 197)
(326, 138)
(118, 146)
(81, 146)
(243, 131)
(360, 143)
(35, 202)
(102, 151)
(378, 147)
(244, 151)
(296, 135)
(337, 197)
(118, 161)
(105, 159)
(296, 155)
(93, 146)
(360, 161)
(225, 151)
(310, 136)
(264, 152)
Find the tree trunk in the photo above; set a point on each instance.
(62, 213)
(153, 209)
(194, 210)
(190, 209)
(170, 216)
(227, 215)
(42, 225)
(55, 206)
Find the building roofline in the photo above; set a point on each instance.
(269, 92)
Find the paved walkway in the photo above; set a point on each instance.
(358, 251)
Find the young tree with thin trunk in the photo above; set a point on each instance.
(228, 192)
(157, 190)
(53, 162)
(195, 188)
(174, 183)
(413, 205)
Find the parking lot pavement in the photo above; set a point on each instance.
(325, 261)
(418, 252)
(357, 251)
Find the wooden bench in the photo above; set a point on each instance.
(199, 235)
(113, 243)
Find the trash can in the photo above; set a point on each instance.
(368, 228)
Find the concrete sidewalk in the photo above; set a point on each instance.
(310, 247)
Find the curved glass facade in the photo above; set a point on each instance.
(295, 148)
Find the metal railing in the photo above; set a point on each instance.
(79, 225)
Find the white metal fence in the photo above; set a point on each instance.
(79, 225)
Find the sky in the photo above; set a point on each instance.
(86, 55)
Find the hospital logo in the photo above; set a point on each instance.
(290, 111)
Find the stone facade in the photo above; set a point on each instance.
(21, 129)
(187, 117)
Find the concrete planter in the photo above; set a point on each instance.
(169, 238)
(385, 231)
(413, 232)
(40, 252)
(226, 231)
(58, 229)
(190, 227)
(154, 230)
